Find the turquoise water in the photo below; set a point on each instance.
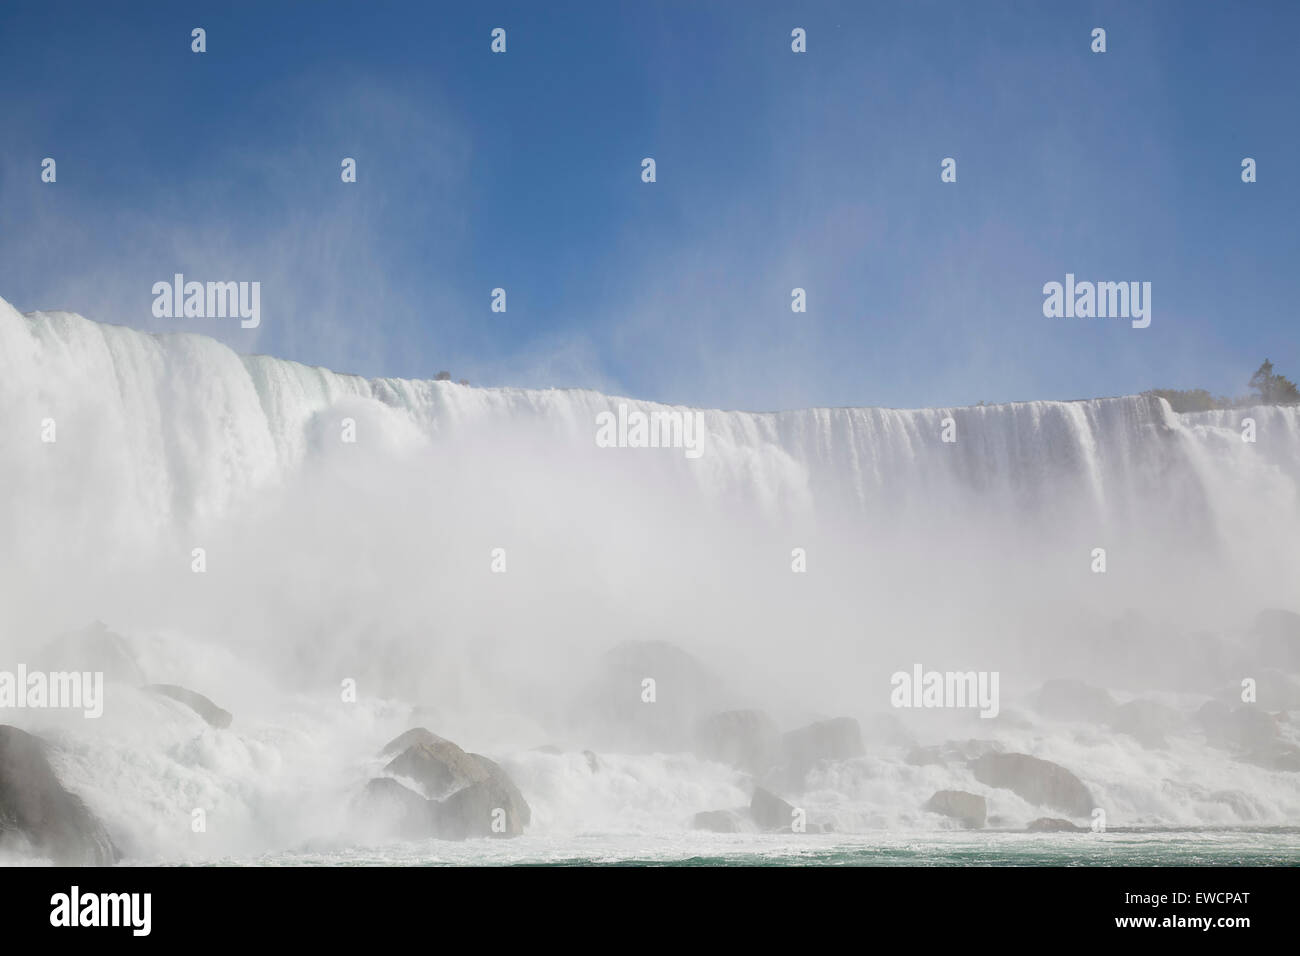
(1270, 846)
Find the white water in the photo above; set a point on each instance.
(371, 561)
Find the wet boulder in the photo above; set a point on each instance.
(685, 691)
(1246, 727)
(196, 702)
(419, 735)
(492, 807)
(1035, 780)
(721, 821)
(952, 751)
(769, 811)
(37, 813)
(970, 809)
(1279, 756)
(747, 739)
(437, 765)
(389, 808)
(1276, 635)
(515, 803)
(1053, 825)
(472, 795)
(837, 739)
(1147, 721)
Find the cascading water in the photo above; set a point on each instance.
(468, 557)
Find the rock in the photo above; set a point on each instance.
(747, 739)
(685, 691)
(515, 805)
(437, 765)
(467, 789)
(1074, 700)
(419, 735)
(719, 821)
(390, 807)
(1037, 781)
(836, 739)
(480, 808)
(1274, 690)
(1277, 635)
(1280, 756)
(593, 762)
(970, 808)
(769, 811)
(196, 702)
(932, 756)
(953, 751)
(94, 648)
(1146, 720)
(1246, 727)
(35, 809)
(1052, 825)
(464, 791)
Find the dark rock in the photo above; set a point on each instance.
(593, 762)
(685, 691)
(932, 756)
(515, 804)
(196, 702)
(719, 821)
(1147, 721)
(392, 808)
(478, 809)
(467, 789)
(1036, 781)
(747, 739)
(36, 809)
(1277, 635)
(836, 739)
(1074, 700)
(419, 735)
(769, 811)
(437, 765)
(970, 808)
(1278, 757)
(1274, 690)
(1053, 825)
(1246, 727)
(953, 751)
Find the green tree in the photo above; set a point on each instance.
(1271, 388)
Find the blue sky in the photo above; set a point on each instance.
(775, 170)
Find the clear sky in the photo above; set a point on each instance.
(818, 170)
